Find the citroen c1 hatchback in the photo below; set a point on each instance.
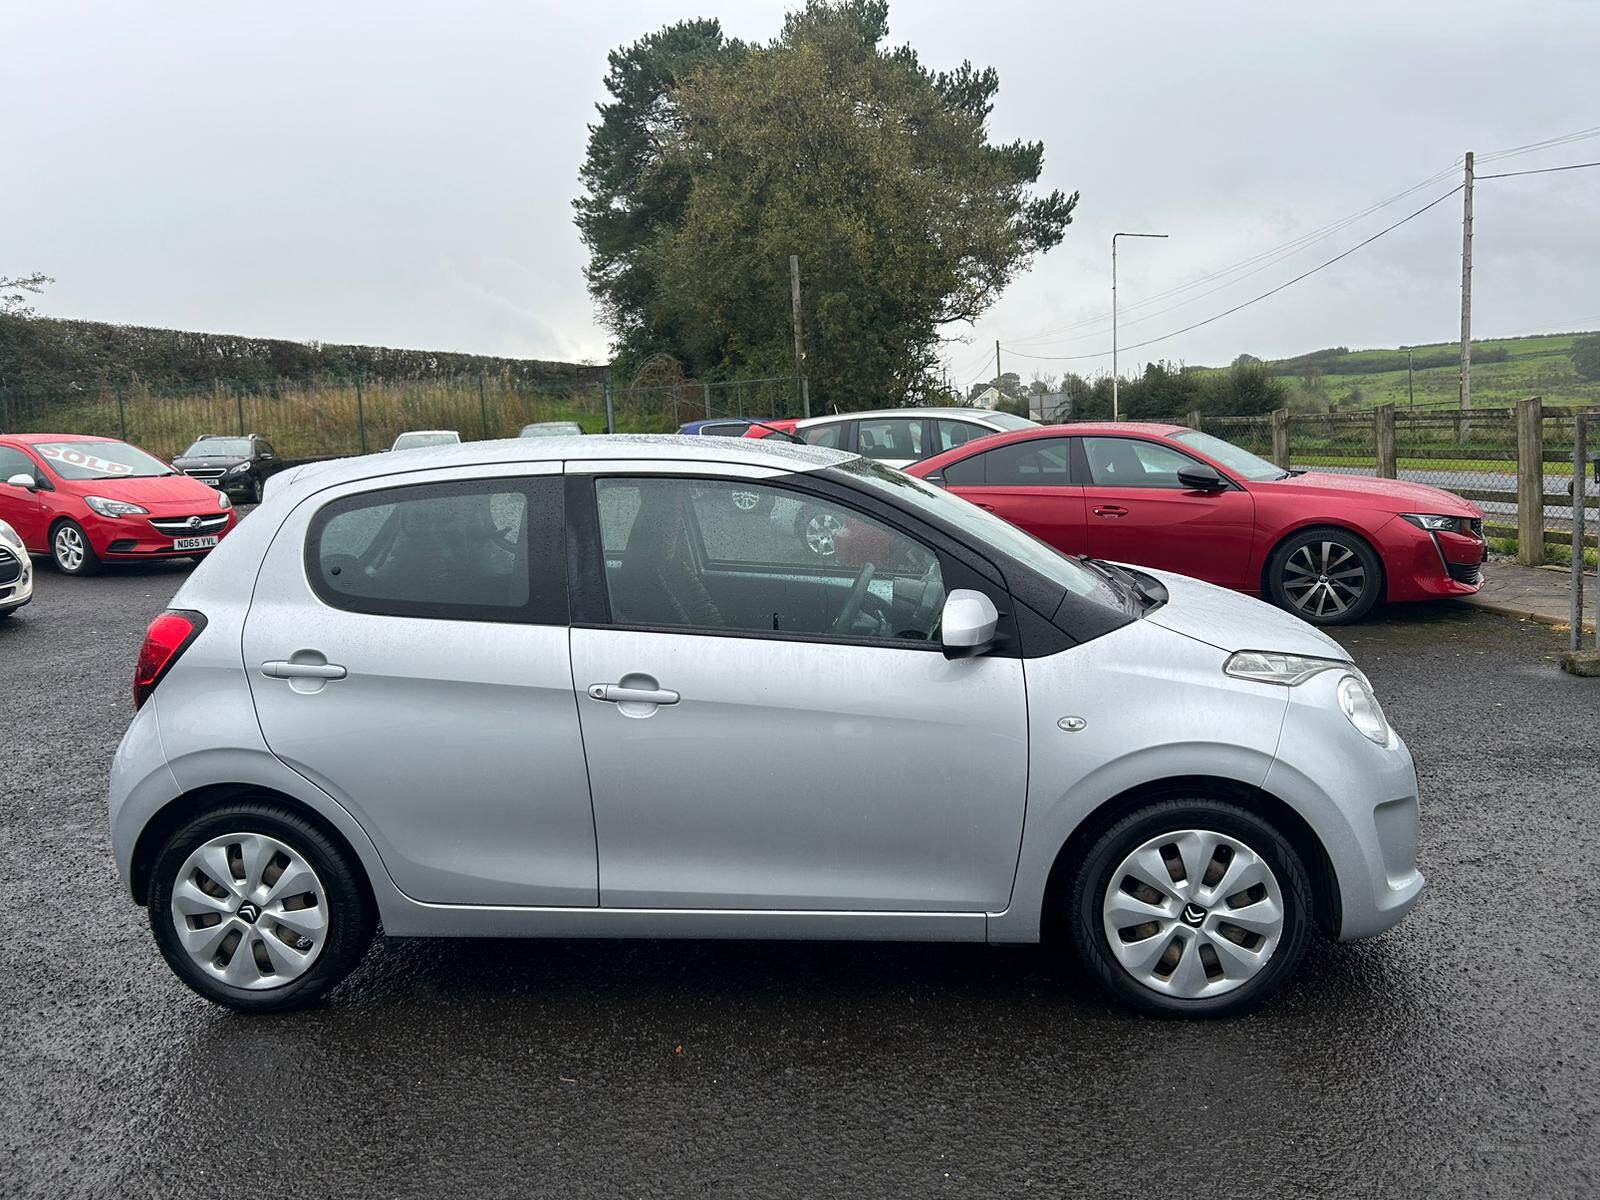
(510, 689)
(91, 500)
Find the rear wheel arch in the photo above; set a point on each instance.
(182, 809)
(1311, 526)
(1289, 823)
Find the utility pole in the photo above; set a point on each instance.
(1116, 405)
(1411, 395)
(998, 392)
(1466, 296)
(799, 355)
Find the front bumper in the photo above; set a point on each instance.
(126, 538)
(1360, 799)
(16, 578)
(1422, 565)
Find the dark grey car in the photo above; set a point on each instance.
(239, 466)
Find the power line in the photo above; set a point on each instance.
(1255, 299)
(1276, 254)
(1530, 147)
(1541, 170)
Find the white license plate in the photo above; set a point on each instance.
(197, 543)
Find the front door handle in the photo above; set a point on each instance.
(615, 693)
(279, 669)
(1109, 510)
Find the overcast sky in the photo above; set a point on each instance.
(401, 174)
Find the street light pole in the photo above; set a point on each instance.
(1116, 407)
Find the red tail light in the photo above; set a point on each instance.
(169, 636)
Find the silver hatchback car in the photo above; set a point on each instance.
(566, 688)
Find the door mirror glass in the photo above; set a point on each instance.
(967, 625)
(1201, 478)
(23, 480)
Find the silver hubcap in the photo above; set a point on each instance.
(819, 533)
(1193, 914)
(69, 548)
(1323, 579)
(250, 911)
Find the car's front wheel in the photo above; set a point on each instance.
(70, 548)
(1191, 907)
(255, 908)
(1325, 576)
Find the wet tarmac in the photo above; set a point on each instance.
(1454, 1056)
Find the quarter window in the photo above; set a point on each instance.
(1128, 462)
(737, 557)
(890, 437)
(474, 550)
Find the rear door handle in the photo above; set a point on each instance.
(1109, 510)
(279, 669)
(985, 507)
(615, 693)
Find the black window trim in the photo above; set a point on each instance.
(545, 605)
(589, 596)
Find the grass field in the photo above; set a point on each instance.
(1540, 365)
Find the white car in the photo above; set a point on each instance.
(898, 437)
(16, 572)
(417, 438)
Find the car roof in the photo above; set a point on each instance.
(417, 432)
(34, 439)
(1115, 428)
(701, 424)
(953, 410)
(755, 452)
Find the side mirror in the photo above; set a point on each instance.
(966, 627)
(23, 480)
(1201, 478)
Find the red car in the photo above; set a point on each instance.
(773, 427)
(87, 500)
(1326, 547)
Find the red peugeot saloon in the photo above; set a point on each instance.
(88, 500)
(1325, 547)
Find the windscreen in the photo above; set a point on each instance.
(100, 460)
(219, 448)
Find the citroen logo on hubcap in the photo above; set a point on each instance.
(1194, 915)
(249, 912)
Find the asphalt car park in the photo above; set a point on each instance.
(1450, 1056)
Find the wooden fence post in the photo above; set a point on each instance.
(1383, 421)
(1530, 482)
(1280, 437)
(1194, 418)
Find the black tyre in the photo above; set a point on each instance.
(70, 550)
(1209, 906)
(256, 489)
(1326, 576)
(255, 908)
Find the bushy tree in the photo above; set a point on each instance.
(715, 161)
(16, 291)
(1586, 356)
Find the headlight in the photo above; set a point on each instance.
(240, 469)
(114, 508)
(1264, 666)
(1362, 707)
(1433, 522)
(223, 501)
(10, 537)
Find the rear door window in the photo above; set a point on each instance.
(830, 435)
(476, 550)
(893, 438)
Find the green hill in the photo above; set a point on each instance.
(1503, 370)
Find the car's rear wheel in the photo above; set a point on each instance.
(1325, 576)
(257, 488)
(70, 548)
(255, 908)
(1191, 907)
